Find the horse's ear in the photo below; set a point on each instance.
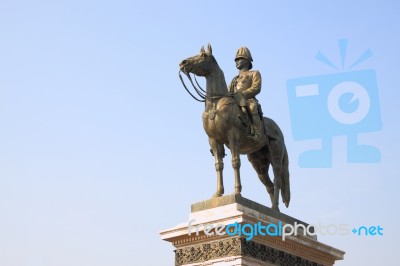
(209, 48)
(202, 50)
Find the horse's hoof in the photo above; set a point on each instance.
(238, 190)
(217, 195)
(276, 208)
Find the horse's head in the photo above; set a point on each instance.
(202, 64)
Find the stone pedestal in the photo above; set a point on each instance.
(203, 239)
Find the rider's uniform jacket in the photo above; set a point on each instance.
(247, 82)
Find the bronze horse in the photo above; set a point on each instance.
(226, 124)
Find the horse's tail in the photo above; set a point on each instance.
(285, 189)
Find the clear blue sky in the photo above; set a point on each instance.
(101, 148)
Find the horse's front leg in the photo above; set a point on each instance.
(218, 152)
(234, 146)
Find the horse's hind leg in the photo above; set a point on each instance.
(277, 167)
(261, 164)
(218, 151)
(277, 186)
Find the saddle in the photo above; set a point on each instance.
(241, 101)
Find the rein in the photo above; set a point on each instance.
(198, 84)
(200, 91)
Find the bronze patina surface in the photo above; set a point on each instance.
(230, 119)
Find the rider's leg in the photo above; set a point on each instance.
(255, 117)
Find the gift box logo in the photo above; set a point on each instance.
(338, 104)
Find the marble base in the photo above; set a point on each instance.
(201, 248)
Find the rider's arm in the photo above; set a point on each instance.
(255, 85)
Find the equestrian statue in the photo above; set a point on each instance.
(233, 117)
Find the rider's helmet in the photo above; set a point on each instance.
(244, 52)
